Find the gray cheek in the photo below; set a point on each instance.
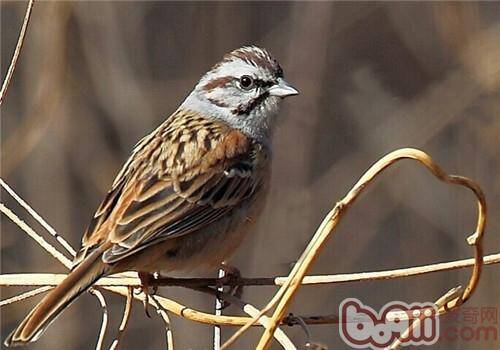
(231, 96)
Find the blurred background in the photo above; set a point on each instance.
(94, 77)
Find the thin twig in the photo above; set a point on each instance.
(48, 279)
(329, 279)
(38, 218)
(153, 299)
(280, 336)
(251, 310)
(442, 301)
(104, 323)
(296, 277)
(25, 295)
(126, 316)
(39, 239)
(333, 218)
(274, 300)
(17, 52)
(218, 312)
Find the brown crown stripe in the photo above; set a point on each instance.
(217, 83)
(256, 58)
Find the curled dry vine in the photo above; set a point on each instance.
(285, 294)
(289, 285)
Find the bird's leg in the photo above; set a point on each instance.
(231, 274)
(148, 288)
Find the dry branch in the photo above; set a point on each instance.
(123, 283)
(163, 314)
(38, 218)
(25, 295)
(38, 238)
(125, 318)
(287, 291)
(50, 279)
(17, 52)
(161, 304)
(104, 323)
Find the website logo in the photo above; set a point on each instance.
(362, 327)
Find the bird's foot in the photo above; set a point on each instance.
(231, 276)
(148, 288)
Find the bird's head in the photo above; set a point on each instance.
(244, 90)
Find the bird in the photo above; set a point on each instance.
(190, 191)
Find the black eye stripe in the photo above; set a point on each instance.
(263, 83)
(260, 82)
(245, 109)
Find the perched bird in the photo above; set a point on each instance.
(190, 190)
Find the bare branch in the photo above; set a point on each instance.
(164, 315)
(328, 279)
(17, 52)
(251, 310)
(25, 295)
(217, 340)
(124, 282)
(38, 218)
(126, 316)
(39, 239)
(104, 323)
(289, 289)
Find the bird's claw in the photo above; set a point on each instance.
(231, 275)
(147, 289)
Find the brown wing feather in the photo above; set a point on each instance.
(186, 174)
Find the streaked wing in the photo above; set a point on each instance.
(162, 194)
(166, 213)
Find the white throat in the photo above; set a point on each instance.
(258, 124)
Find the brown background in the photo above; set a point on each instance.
(95, 77)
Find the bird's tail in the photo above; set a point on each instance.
(77, 282)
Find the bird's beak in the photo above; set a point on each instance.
(282, 89)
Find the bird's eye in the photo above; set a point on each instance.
(246, 82)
